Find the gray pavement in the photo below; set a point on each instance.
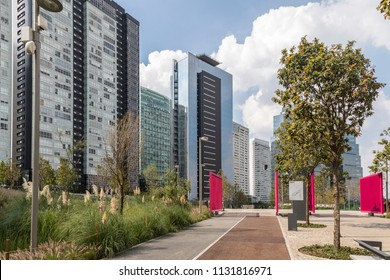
(184, 245)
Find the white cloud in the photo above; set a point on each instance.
(255, 61)
(156, 74)
(372, 130)
(258, 115)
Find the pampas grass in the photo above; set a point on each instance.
(82, 224)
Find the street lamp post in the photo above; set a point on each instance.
(202, 138)
(31, 38)
(177, 174)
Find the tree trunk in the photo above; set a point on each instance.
(336, 211)
(307, 200)
(122, 187)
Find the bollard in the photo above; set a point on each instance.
(7, 248)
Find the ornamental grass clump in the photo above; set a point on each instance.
(47, 194)
(114, 205)
(87, 197)
(27, 186)
(53, 250)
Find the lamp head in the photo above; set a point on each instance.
(204, 138)
(53, 6)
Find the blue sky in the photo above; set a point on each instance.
(247, 37)
(196, 26)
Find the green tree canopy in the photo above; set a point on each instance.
(46, 173)
(151, 175)
(331, 90)
(66, 175)
(298, 152)
(384, 8)
(9, 173)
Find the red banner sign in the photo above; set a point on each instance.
(215, 192)
(371, 194)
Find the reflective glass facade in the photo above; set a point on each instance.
(56, 120)
(5, 79)
(100, 81)
(187, 82)
(155, 124)
(352, 160)
(89, 79)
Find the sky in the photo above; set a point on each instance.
(247, 37)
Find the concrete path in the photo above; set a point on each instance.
(183, 245)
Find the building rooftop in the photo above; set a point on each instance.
(208, 60)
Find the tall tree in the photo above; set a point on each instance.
(73, 156)
(9, 173)
(3, 172)
(46, 173)
(381, 161)
(66, 175)
(331, 90)
(298, 153)
(121, 154)
(151, 175)
(384, 8)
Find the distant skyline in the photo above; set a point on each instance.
(247, 38)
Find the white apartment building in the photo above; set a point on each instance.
(241, 157)
(260, 169)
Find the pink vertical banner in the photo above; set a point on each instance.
(371, 194)
(215, 192)
(277, 192)
(312, 202)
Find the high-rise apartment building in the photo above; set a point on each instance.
(155, 124)
(202, 103)
(241, 157)
(89, 79)
(5, 79)
(260, 169)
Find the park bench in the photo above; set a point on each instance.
(372, 247)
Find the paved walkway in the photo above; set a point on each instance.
(184, 245)
(254, 238)
(237, 235)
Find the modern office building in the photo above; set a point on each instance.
(241, 157)
(5, 79)
(277, 120)
(352, 160)
(202, 106)
(89, 79)
(155, 125)
(260, 169)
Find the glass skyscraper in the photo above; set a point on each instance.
(155, 124)
(5, 79)
(89, 79)
(202, 98)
